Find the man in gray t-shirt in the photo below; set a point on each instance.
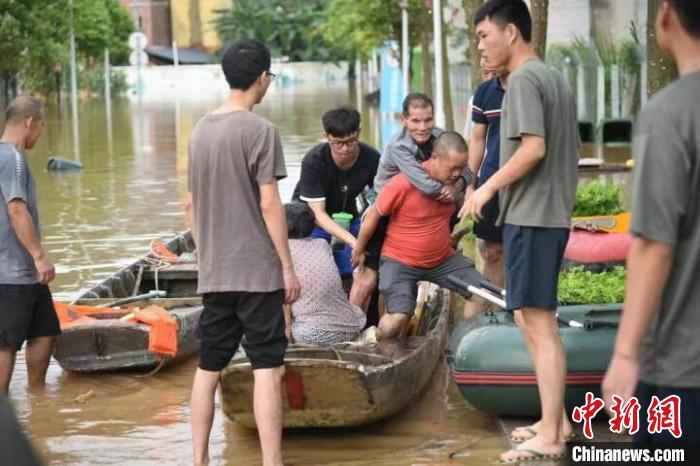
(536, 184)
(245, 267)
(658, 342)
(26, 306)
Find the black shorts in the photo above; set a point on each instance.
(373, 249)
(228, 316)
(689, 415)
(26, 312)
(533, 258)
(486, 228)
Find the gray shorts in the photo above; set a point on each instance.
(399, 282)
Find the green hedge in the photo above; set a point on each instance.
(578, 286)
(595, 198)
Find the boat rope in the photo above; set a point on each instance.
(164, 359)
(157, 264)
(155, 370)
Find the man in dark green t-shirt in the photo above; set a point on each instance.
(536, 184)
(658, 342)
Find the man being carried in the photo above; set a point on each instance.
(418, 244)
(405, 153)
(26, 306)
(333, 174)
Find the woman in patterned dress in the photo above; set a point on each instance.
(322, 315)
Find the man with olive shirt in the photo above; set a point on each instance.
(333, 174)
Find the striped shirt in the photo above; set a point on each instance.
(486, 110)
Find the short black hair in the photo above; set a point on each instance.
(689, 13)
(504, 12)
(418, 100)
(450, 141)
(244, 61)
(341, 121)
(22, 107)
(300, 220)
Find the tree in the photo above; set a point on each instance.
(540, 12)
(447, 90)
(31, 44)
(473, 55)
(290, 28)
(425, 22)
(34, 40)
(661, 70)
(356, 27)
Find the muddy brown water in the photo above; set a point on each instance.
(102, 218)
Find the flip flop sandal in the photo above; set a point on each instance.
(530, 455)
(532, 433)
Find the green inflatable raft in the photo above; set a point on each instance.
(492, 367)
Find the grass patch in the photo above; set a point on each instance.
(597, 198)
(578, 286)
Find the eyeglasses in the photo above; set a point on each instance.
(271, 75)
(350, 142)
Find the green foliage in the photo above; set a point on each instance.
(578, 286)
(34, 38)
(596, 198)
(94, 79)
(31, 32)
(290, 28)
(100, 25)
(356, 27)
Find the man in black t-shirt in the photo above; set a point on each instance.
(333, 174)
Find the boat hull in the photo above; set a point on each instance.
(595, 251)
(177, 280)
(347, 384)
(112, 344)
(492, 367)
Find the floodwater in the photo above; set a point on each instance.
(102, 218)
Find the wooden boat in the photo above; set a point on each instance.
(178, 279)
(349, 384)
(492, 367)
(109, 343)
